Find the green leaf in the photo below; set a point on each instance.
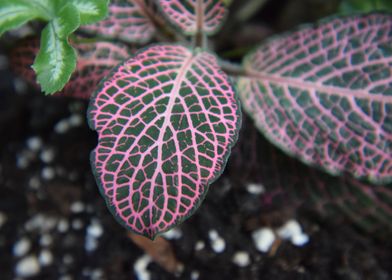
(16, 13)
(350, 6)
(91, 11)
(56, 59)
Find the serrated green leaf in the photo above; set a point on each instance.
(16, 13)
(91, 11)
(56, 59)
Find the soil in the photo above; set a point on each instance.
(49, 200)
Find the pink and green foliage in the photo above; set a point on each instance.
(128, 20)
(166, 119)
(342, 199)
(95, 60)
(324, 94)
(193, 16)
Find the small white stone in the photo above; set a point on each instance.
(65, 277)
(77, 224)
(195, 275)
(300, 239)
(3, 219)
(97, 274)
(45, 240)
(218, 245)
(255, 188)
(289, 229)
(91, 244)
(75, 120)
(27, 267)
(241, 259)
(62, 127)
(77, 207)
(95, 229)
(34, 143)
(21, 247)
(213, 234)
(199, 245)
(45, 258)
(68, 259)
(48, 173)
(47, 155)
(140, 268)
(174, 233)
(20, 86)
(34, 183)
(63, 225)
(22, 161)
(263, 239)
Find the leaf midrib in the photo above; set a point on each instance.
(319, 87)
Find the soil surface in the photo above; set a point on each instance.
(55, 225)
(53, 218)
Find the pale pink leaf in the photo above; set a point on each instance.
(193, 16)
(166, 120)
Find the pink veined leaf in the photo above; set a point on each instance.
(95, 60)
(166, 120)
(193, 16)
(324, 94)
(128, 20)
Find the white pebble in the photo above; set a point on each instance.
(65, 277)
(77, 224)
(300, 239)
(97, 274)
(195, 275)
(213, 234)
(62, 226)
(292, 231)
(34, 143)
(47, 155)
(174, 233)
(45, 240)
(77, 207)
(199, 245)
(140, 268)
(263, 239)
(47, 173)
(68, 259)
(22, 161)
(75, 120)
(218, 245)
(95, 229)
(34, 183)
(3, 219)
(255, 188)
(91, 244)
(21, 247)
(62, 126)
(45, 258)
(241, 259)
(27, 267)
(289, 229)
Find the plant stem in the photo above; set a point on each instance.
(233, 69)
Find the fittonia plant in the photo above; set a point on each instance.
(168, 115)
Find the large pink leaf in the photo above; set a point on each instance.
(324, 94)
(166, 119)
(128, 20)
(95, 60)
(193, 16)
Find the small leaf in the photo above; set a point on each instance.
(166, 119)
(16, 13)
(127, 21)
(56, 59)
(91, 10)
(193, 16)
(324, 94)
(350, 6)
(95, 60)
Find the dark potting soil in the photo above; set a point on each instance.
(54, 224)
